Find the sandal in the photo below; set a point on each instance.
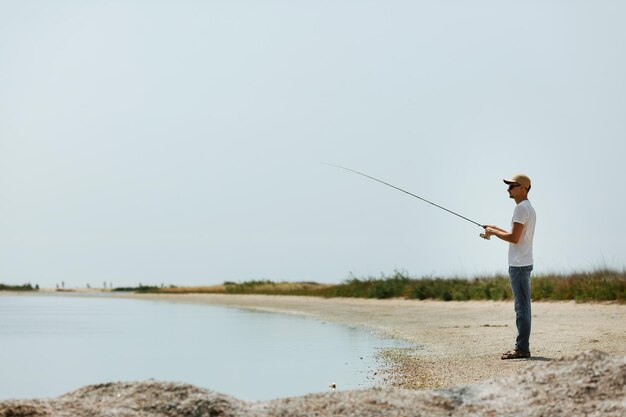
(515, 354)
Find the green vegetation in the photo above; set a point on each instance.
(400, 285)
(598, 285)
(140, 289)
(25, 287)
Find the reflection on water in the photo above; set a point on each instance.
(50, 345)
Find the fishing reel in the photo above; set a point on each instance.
(484, 236)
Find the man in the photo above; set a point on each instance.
(520, 240)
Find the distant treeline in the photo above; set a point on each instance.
(598, 285)
(25, 287)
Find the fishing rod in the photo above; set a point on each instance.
(483, 235)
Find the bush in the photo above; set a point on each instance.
(25, 287)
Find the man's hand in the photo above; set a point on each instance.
(490, 226)
(512, 237)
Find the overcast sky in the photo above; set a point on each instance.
(181, 142)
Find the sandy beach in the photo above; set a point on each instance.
(455, 342)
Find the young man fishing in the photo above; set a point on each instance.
(520, 240)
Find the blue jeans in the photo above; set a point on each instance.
(520, 284)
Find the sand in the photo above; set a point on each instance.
(454, 342)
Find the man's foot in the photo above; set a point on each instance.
(515, 354)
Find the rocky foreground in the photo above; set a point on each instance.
(590, 384)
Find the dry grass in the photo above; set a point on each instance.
(251, 287)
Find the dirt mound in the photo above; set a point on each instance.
(591, 384)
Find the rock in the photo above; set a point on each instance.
(591, 384)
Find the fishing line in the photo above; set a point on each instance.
(411, 194)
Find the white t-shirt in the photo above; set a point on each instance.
(521, 253)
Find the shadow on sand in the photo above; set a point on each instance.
(531, 359)
(539, 359)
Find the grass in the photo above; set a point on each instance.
(598, 285)
(273, 288)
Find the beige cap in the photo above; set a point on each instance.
(520, 179)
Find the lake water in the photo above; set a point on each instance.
(50, 345)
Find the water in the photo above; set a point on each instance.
(50, 345)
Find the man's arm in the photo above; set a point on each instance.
(495, 227)
(513, 237)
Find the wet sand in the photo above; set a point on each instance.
(455, 342)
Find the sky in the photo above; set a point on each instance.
(181, 142)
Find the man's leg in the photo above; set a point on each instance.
(520, 284)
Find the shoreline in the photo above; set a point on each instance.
(455, 342)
